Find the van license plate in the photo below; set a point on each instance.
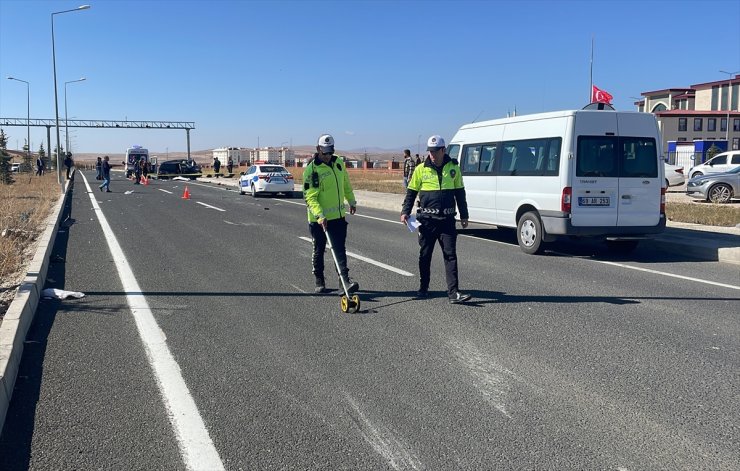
(593, 201)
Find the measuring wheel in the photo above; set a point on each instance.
(351, 304)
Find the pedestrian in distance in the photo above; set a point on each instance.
(408, 167)
(105, 169)
(99, 169)
(145, 168)
(418, 160)
(137, 172)
(39, 166)
(68, 163)
(438, 183)
(230, 165)
(216, 167)
(326, 186)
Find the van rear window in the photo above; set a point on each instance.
(611, 156)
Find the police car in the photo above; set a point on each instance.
(266, 178)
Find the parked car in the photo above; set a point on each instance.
(266, 178)
(178, 168)
(15, 167)
(720, 163)
(673, 175)
(717, 187)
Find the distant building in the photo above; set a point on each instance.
(703, 112)
(272, 155)
(223, 154)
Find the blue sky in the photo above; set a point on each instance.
(372, 73)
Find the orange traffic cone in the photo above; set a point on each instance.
(186, 194)
(146, 181)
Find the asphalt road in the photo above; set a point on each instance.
(576, 359)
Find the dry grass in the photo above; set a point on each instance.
(24, 207)
(709, 214)
(382, 181)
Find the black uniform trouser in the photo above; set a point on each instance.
(337, 229)
(443, 231)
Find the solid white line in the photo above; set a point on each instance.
(212, 207)
(196, 448)
(371, 261)
(164, 190)
(656, 272)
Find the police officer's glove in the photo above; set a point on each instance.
(352, 209)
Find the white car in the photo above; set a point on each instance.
(673, 175)
(720, 163)
(15, 167)
(266, 178)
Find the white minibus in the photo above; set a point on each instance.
(595, 173)
(132, 155)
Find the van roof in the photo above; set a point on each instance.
(537, 116)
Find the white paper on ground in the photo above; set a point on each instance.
(412, 223)
(128, 192)
(53, 293)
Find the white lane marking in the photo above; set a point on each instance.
(298, 289)
(506, 244)
(370, 260)
(384, 442)
(196, 448)
(488, 240)
(353, 215)
(212, 207)
(229, 222)
(656, 272)
(160, 189)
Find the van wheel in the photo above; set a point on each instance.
(622, 246)
(696, 174)
(720, 193)
(529, 233)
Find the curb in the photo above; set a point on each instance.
(22, 310)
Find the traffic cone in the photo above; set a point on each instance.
(146, 181)
(186, 194)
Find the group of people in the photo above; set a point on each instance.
(217, 166)
(102, 167)
(409, 164)
(436, 182)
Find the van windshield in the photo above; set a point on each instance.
(611, 156)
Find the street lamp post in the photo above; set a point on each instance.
(729, 104)
(56, 97)
(66, 124)
(28, 115)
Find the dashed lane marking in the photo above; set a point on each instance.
(371, 261)
(212, 207)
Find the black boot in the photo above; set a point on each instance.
(351, 285)
(320, 285)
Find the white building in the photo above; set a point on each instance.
(223, 154)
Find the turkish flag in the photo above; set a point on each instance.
(600, 96)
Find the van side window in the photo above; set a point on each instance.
(471, 159)
(487, 158)
(532, 157)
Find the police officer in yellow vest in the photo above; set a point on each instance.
(325, 187)
(439, 185)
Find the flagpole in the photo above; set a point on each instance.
(591, 73)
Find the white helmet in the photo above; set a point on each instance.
(435, 142)
(326, 143)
